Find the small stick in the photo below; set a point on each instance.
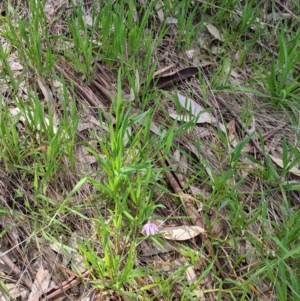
(60, 288)
(286, 9)
(271, 133)
(158, 72)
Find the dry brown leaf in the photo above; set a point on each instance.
(25, 117)
(77, 259)
(88, 19)
(159, 10)
(84, 157)
(171, 20)
(190, 53)
(191, 276)
(235, 74)
(134, 90)
(202, 132)
(213, 30)
(190, 105)
(278, 16)
(216, 50)
(45, 89)
(248, 148)
(82, 126)
(279, 162)
(15, 291)
(96, 122)
(233, 140)
(14, 65)
(197, 111)
(219, 224)
(181, 232)
(179, 166)
(203, 42)
(231, 133)
(12, 57)
(203, 118)
(41, 282)
(49, 7)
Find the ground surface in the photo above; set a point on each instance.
(149, 150)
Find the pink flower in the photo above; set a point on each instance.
(150, 228)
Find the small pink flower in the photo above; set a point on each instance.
(150, 228)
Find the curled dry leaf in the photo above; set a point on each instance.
(181, 232)
(279, 162)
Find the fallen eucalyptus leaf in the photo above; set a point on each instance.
(190, 105)
(196, 110)
(279, 162)
(203, 118)
(14, 292)
(41, 282)
(181, 232)
(213, 30)
(28, 117)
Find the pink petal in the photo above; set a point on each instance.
(149, 228)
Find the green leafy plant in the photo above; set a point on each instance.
(281, 80)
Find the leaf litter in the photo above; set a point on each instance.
(181, 232)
